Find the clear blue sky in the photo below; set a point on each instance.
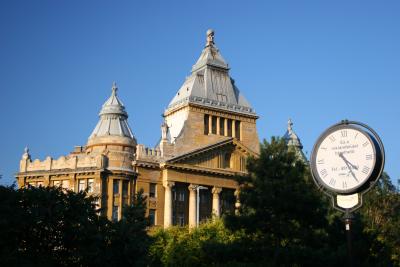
(316, 62)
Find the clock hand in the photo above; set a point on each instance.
(352, 165)
(348, 166)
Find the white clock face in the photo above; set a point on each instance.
(345, 159)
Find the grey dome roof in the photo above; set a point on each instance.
(113, 118)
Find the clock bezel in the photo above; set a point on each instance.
(326, 134)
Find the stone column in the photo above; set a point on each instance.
(210, 124)
(218, 128)
(226, 127)
(216, 208)
(233, 128)
(168, 203)
(192, 205)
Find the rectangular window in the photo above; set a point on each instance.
(180, 219)
(81, 185)
(115, 213)
(153, 188)
(237, 129)
(90, 185)
(230, 127)
(206, 125)
(214, 125)
(221, 126)
(116, 187)
(39, 183)
(152, 217)
(125, 188)
(56, 183)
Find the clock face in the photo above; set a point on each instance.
(343, 159)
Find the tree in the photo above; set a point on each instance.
(281, 209)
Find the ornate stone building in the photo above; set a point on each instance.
(209, 130)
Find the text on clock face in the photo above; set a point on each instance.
(344, 159)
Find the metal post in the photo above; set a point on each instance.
(348, 219)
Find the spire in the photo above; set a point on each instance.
(210, 83)
(113, 118)
(293, 141)
(210, 55)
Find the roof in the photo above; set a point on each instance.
(113, 118)
(293, 141)
(210, 83)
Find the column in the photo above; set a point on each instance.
(192, 206)
(237, 203)
(218, 128)
(168, 203)
(216, 208)
(233, 128)
(210, 124)
(226, 127)
(120, 199)
(110, 197)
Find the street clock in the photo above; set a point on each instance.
(346, 161)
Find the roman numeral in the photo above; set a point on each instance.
(365, 144)
(356, 136)
(324, 148)
(324, 173)
(368, 157)
(332, 182)
(344, 185)
(332, 138)
(321, 161)
(344, 133)
(365, 170)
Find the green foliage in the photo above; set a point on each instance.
(48, 226)
(210, 244)
(281, 206)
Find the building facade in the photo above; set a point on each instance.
(209, 130)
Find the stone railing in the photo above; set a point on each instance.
(146, 153)
(68, 162)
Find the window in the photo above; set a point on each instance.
(214, 125)
(221, 126)
(230, 127)
(237, 129)
(180, 219)
(206, 124)
(115, 213)
(116, 187)
(56, 183)
(81, 185)
(125, 188)
(152, 217)
(90, 185)
(153, 190)
(39, 183)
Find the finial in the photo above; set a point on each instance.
(114, 88)
(26, 150)
(210, 37)
(290, 125)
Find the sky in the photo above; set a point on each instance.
(316, 62)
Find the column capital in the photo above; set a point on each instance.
(216, 190)
(193, 187)
(168, 184)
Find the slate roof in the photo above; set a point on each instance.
(113, 118)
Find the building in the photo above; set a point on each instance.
(209, 130)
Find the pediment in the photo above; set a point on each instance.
(226, 156)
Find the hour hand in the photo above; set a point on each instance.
(348, 162)
(349, 165)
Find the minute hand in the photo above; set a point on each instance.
(348, 162)
(349, 165)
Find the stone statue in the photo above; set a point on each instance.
(210, 37)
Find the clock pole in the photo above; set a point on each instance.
(348, 221)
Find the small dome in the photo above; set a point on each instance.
(113, 121)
